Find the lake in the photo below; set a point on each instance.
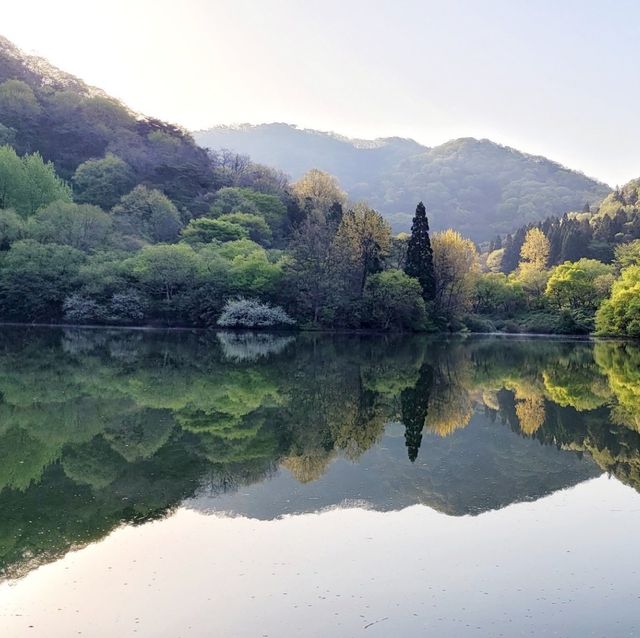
(169, 484)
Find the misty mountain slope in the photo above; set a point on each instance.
(478, 187)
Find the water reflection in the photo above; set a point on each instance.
(99, 427)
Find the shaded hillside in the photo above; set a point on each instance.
(477, 186)
(46, 110)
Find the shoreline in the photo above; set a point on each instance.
(332, 331)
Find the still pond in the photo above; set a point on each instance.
(202, 484)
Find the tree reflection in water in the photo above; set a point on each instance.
(100, 427)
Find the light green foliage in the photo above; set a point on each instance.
(245, 200)
(12, 228)
(147, 214)
(205, 230)
(104, 274)
(495, 294)
(620, 314)
(533, 282)
(84, 227)
(394, 300)
(627, 255)
(625, 199)
(102, 182)
(28, 183)
(256, 227)
(250, 270)
(165, 270)
(579, 285)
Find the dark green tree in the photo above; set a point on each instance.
(414, 403)
(419, 262)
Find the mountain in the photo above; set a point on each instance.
(477, 186)
(49, 111)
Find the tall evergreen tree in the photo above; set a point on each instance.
(414, 403)
(419, 263)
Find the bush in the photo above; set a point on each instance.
(475, 323)
(510, 327)
(394, 300)
(80, 309)
(126, 307)
(250, 313)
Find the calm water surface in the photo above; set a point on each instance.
(202, 484)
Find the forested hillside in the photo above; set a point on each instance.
(476, 186)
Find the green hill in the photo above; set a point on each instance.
(478, 187)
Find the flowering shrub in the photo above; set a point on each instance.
(250, 313)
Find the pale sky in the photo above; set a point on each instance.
(558, 78)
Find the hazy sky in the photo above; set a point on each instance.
(555, 77)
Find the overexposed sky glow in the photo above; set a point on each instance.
(558, 78)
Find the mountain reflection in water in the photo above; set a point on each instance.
(101, 427)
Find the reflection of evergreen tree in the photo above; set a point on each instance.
(415, 404)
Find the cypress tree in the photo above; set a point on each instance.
(419, 262)
(414, 403)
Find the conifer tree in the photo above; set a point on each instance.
(414, 403)
(419, 262)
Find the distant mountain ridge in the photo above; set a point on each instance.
(477, 186)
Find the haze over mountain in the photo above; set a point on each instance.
(478, 187)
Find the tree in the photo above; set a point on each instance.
(414, 403)
(394, 300)
(35, 280)
(205, 230)
(579, 285)
(165, 270)
(494, 260)
(535, 250)
(84, 227)
(102, 182)
(619, 315)
(12, 228)
(19, 106)
(455, 265)
(496, 295)
(320, 190)
(627, 255)
(419, 260)
(255, 225)
(364, 239)
(148, 214)
(312, 271)
(28, 183)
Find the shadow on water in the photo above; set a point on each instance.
(100, 428)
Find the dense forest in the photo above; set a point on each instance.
(475, 186)
(109, 217)
(101, 427)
